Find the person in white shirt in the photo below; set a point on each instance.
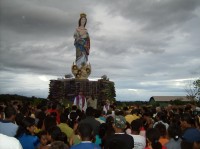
(139, 140)
(92, 102)
(80, 101)
(106, 107)
(7, 142)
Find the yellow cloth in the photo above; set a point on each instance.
(129, 118)
(37, 130)
(66, 129)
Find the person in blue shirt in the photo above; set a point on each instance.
(25, 134)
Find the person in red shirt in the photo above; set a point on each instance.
(53, 111)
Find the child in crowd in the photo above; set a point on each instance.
(42, 135)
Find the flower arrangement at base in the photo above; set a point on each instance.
(81, 73)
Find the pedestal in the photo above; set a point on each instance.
(81, 73)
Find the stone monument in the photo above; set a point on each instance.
(66, 89)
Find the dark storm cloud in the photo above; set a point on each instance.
(141, 45)
(156, 14)
(43, 59)
(25, 17)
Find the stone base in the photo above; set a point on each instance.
(66, 89)
(81, 73)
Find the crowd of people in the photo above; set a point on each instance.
(52, 126)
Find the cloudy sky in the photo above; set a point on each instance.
(147, 47)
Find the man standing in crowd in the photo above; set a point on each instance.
(120, 139)
(85, 131)
(8, 126)
(106, 107)
(80, 101)
(92, 102)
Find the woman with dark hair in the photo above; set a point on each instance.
(25, 134)
(48, 122)
(152, 136)
(163, 133)
(174, 134)
(82, 42)
(54, 133)
(109, 130)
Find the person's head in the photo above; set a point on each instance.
(53, 133)
(80, 93)
(28, 123)
(186, 121)
(109, 120)
(107, 102)
(152, 136)
(25, 111)
(162, 129)
(49, 121)
(92, 97)
(58, 145)
(83, 20)
(63, 118)
(10, 113)
(119, 123)
(174, 131)
(135, 111)
(18, 119)
(161, 116)
(97, 113)
(74, 107)
(27, 126)
(42, 135)
(85, 131)
(89, 111)
(190, 139)
(136, 125)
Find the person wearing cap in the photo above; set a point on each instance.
(119, 138)
(191, 139)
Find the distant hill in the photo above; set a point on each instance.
(15, 97)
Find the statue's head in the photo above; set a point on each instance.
(82, 20)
